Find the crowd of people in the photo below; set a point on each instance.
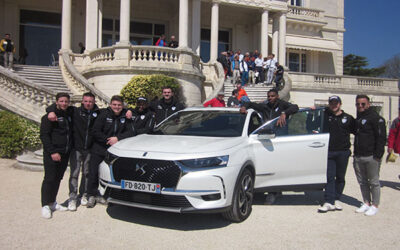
(251, 68)
(82, 135)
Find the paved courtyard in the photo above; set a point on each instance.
(291, 223)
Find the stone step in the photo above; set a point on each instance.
(256, 93)
(46, 76)
(29, 161)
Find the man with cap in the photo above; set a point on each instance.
(142, 117)
(217, 101)
(339, 125)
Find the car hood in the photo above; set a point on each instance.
(172, 144)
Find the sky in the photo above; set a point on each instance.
(372, 29)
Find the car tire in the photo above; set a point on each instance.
(242, 199)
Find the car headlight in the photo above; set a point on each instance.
(110, 158)
(218, 161)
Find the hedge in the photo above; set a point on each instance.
(17, 134)
(148, 86)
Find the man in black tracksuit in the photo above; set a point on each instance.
(369, 146)
(275, 107)
(142, 117)
(83, 120)
(110, 127)
(166, 106)
(57, 142)
(339, 125)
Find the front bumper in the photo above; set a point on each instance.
(199, 191)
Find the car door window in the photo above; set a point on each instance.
(304, 122)
(255, 122)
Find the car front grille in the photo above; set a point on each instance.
(150, 199)
(166, 173)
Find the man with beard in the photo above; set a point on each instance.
(166, 106)
(142, 117)
(274, 107)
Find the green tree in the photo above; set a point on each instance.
(355, 65)
(149, 86)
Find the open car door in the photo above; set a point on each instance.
(293, 157)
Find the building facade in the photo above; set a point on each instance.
(119, 37)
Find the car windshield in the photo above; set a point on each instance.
(203, 123)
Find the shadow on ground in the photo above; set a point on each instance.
(391, 184)
(184, 222)
(312, 198)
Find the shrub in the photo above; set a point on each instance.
(17, 134)
(148, 86)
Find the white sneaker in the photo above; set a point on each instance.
(46, 212)
(72, 205)
(371, 211)
(364, 208)
(326, 207)
(58, 207)
(84, 200)
(338, 206)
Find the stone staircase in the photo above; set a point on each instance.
(258, 93)
(49, 77)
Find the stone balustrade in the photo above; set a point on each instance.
(305, 13)
(347, 84)
(215, 79)
(108, 69)
(77, 83)
(23, 97)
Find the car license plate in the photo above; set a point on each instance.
(141, 186)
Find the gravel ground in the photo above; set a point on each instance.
(291, 223)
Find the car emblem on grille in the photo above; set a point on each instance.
(138, 167)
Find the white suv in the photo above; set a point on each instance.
(214, 159)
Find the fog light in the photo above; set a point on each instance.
(211, 197)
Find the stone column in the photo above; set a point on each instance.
(275, 35)
(124, 22)
(282, 39)
(100, 25)
(196, 28)
(66, 25)
(92, 24)
(264, 33)
(183, 23)
(214, 31)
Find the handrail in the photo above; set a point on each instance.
(217, 78)
(79, 84)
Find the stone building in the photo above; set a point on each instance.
(119, 36)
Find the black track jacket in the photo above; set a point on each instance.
(162, 109)
(57, 136)
(370, 136)
(108, 125)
